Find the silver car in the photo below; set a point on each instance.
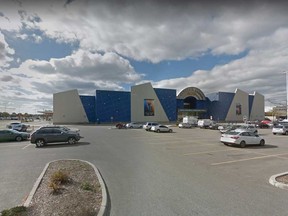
(161, 128)
(134, 125)
(148, 125)
(249, 128)
(280, 129)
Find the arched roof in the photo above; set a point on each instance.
(191, 92)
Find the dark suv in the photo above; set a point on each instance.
(45, 135)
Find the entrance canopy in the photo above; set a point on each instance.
(191, 92)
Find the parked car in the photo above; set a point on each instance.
(13, 135)
(148, 125)
(120, 126)
(226, 128)
(213, 126)
(61, 127)
(241, 138)
(134, 125)
(161, 128)
(262, 125)
(280, 129)
(249, 128)
(184, 125)
(42, 136)
(18, 126)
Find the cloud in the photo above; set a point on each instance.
(6, 78)
(156, 31)
(261, 70)
(90, 66)
(82, 70)
(153, 31)
(5, 52)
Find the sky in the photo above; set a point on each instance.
(58, 45)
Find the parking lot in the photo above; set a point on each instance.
(194, 155)
(204, 144)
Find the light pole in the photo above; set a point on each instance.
(286, 72)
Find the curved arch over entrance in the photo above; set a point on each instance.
(191, 92)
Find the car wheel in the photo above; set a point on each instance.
(71, 140)
(242, 144)
(40, 143)
(18, 138)
(158, 131)
(274, 133)
(262, 142)
(170, 130)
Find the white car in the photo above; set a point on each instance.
(184, 125)
(18, 126)
(280, 129)
(161, 128)
(134, 125)
(241, 138)
(148, 125)
(249, 128)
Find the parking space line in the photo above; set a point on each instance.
(207, 152)
(247, 159)
(26, 146)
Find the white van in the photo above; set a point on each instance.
(205, 123)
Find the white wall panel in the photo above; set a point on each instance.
(257, 110)
(68, 108)
(138, 94)
(241, 98)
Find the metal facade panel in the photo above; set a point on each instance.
(113, 106)
(68, 108)
(89, 107)
(251, 99)
(167, 99)
(140, 94)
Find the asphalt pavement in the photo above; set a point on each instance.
(188, 172)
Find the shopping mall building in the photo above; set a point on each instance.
(145, 103)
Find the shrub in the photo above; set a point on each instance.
(59, 177)
(56, 179)
(55, 187)
(18, 210)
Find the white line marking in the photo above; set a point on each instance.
(247, 159)
(26, 146)
(207, 152)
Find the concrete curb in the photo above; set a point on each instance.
(102, 209)
(274, 182)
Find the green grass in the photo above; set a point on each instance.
(15, 211)
(87, 186)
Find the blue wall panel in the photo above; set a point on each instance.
(89, 107)
(219, 108)
(251, 99)
(168, 101)
(113, 106)
(180, 103)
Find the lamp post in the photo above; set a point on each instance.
(286, 72)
